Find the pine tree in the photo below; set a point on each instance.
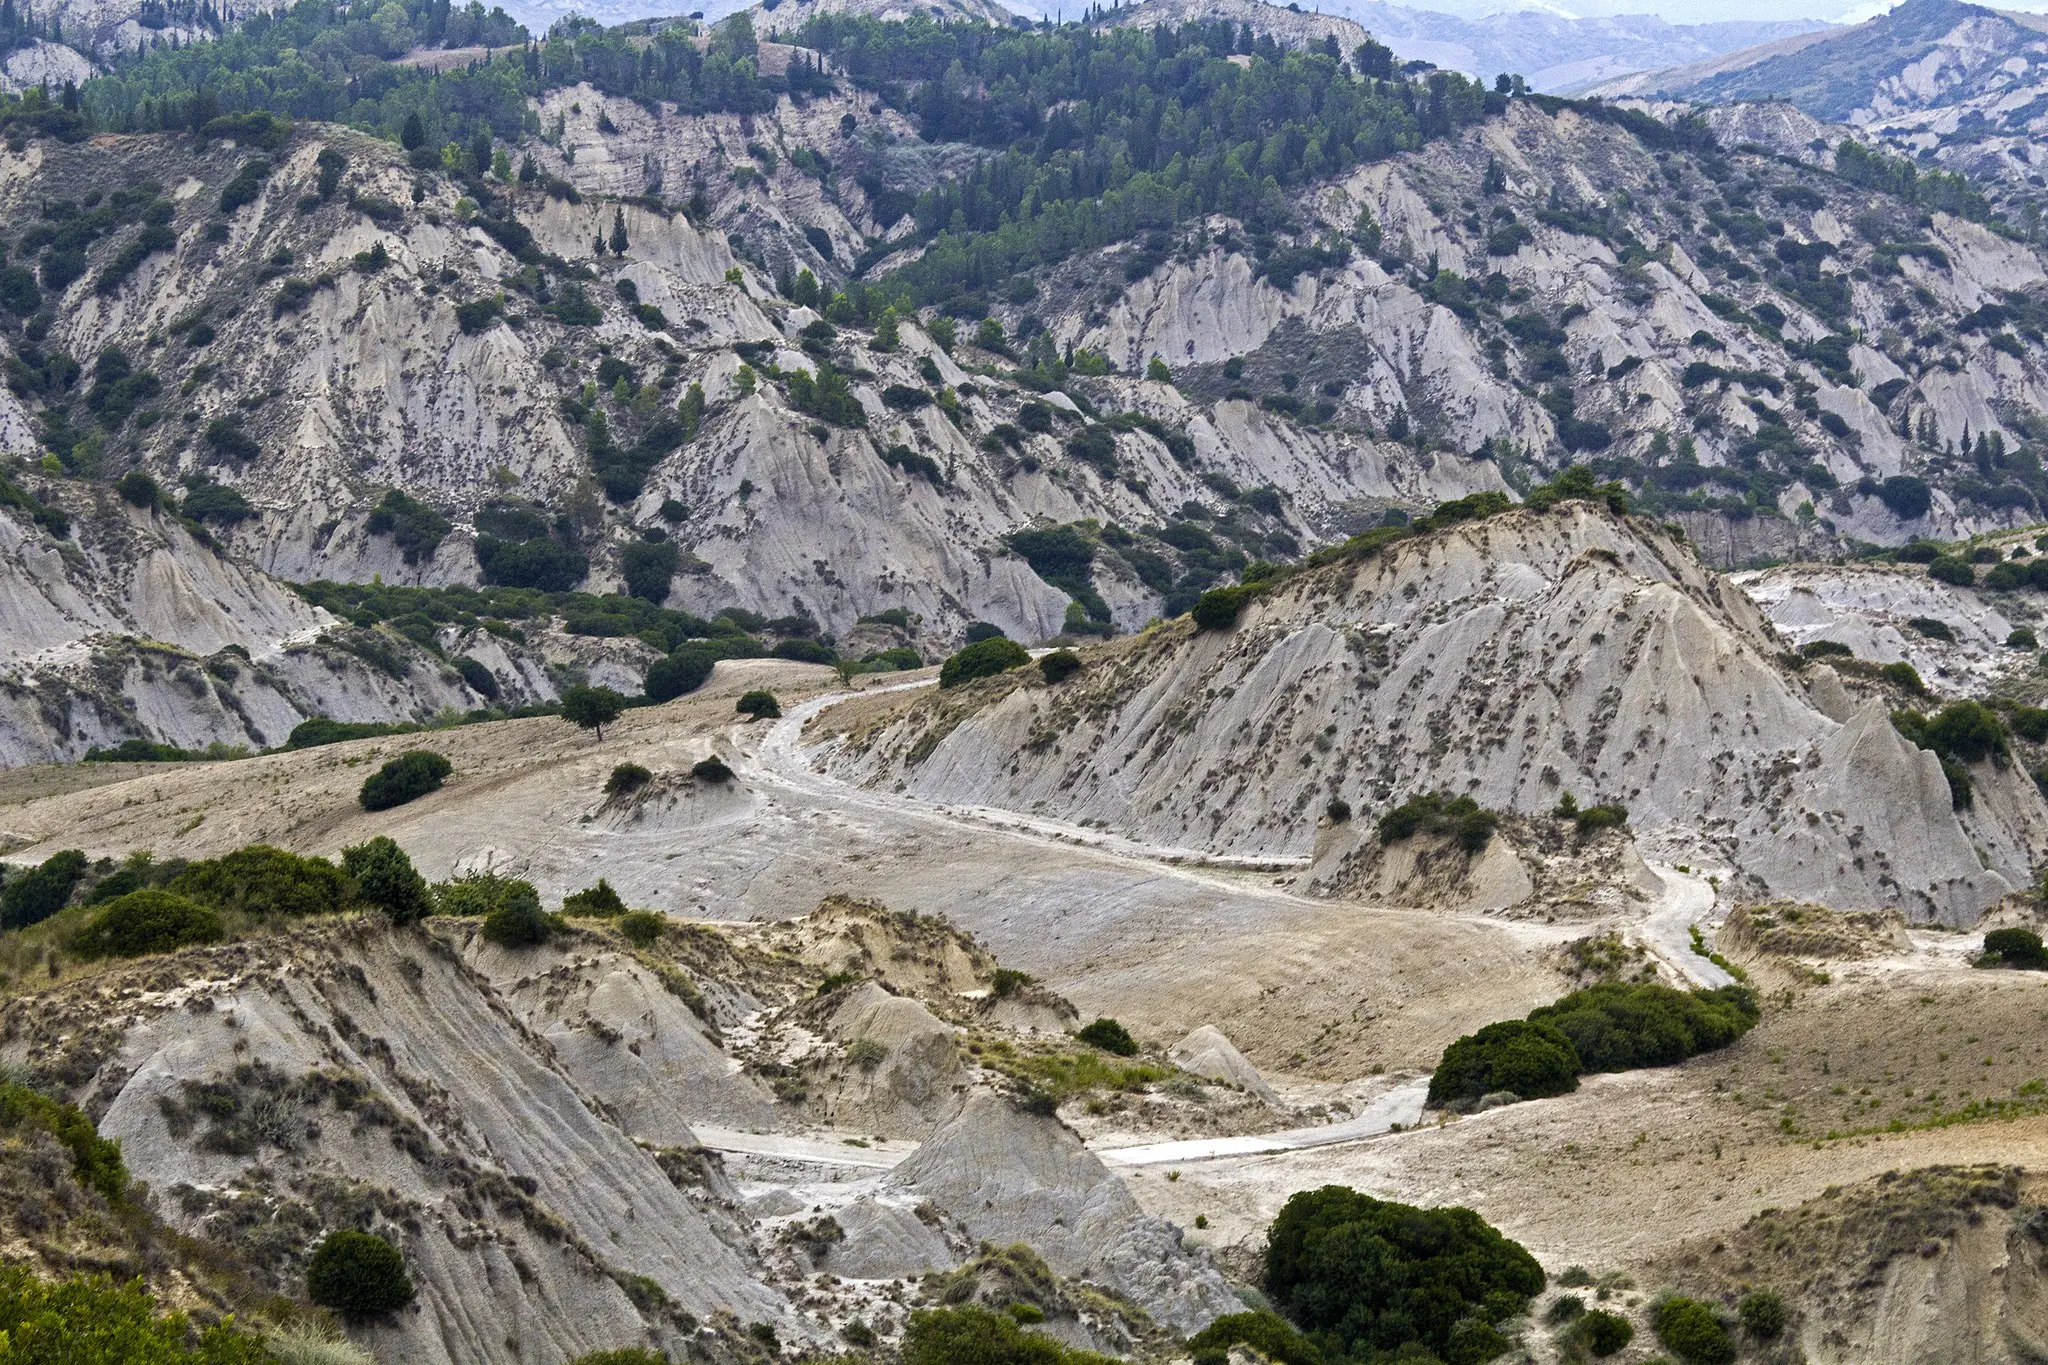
(619, 241)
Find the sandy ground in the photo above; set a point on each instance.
(1316, 993)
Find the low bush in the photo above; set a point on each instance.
(88, 1319)
(594, 902)
(33, 896)
(680, 673)
(1762, 1312)
(1826, 649)
(1267, 1333)
(1905, 677)
(626, 779)
(385, 877)
(147, 922)
(358, 1275)
(642, 928)
(1338, 810)
(712, 769)
(1929, 627)
(95, 1161)
(1691, 1331)
(1059, 666)
(1366, 1275)
(759, 705)
(264, 881)
(1619, 1026)
(1007, 981)
(1440, 813)
(517, 921)
(408, 777)
(625, 1355)
(1951, 570)
(1527, 1059)
(1592, 819)
(982, 659)
(2022, 637)
(1219, 608)
(2020, 948)
(972, 1335)
(1110, 1036)
(1603, 1333)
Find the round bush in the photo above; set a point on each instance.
(386, 878)
(2017, 948)
(1110, 1036)
(1267, 1333)
(759, 704)
(1908, 498)
(1059, 665)
(1692, 1331)
(2022, 637)
(626, 779)
(1530, 1059)
(1953, 571)
(983, 659)
(406, 778)
(147, 922)
(358, 1275)
(681, 672)
(1605, 1333)
(1376, 1275)
(712, 769)
(517, 921)
(641, 927)
(1339, 810)
(1219, 608)
(1762, 1312)
(977, 631)
(139, 490)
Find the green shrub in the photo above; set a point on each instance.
(358, 1275)
(642, 928)
(594, 902)
(1618, 1026)
(626, 779)
(1762, 1312)
(1904, 677)
(628, 1355)
(2030, 723)
(1968, 731)
(1566, 1308)
(311, 734)
(681, 672)
(972, 1335)
(1007, 981)
(1609, 815)
(517, 921)
(262, 880)
(1826, 649)
(983, 659)
(385, 877)
(89, 1320)
(2017, 948)
(475, 895)
(1692, 1331)
(137, 489)
(1439, 813)
(1059, 666)
(1267, 1333)
(33, 896)
(1951, 570)
(408, 777)
(1375, 1275)
(147, 922)
(1604, 1333)
(1339, 811)
(712, 769)
(759, 704)
(2022, 637)
(1110, 1037)
(1219, 608)
(95, 1161)
(1531, 1060)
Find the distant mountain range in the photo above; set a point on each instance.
(1960, 84)
(1556, 53)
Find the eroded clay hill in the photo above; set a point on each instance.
(1515, 660)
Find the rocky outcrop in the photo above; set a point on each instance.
(1206, 1052)
(1514, 660)
(1010, 1177)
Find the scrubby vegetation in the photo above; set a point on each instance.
(758, 704)
(147, 922)
(1440, 813)
(1110, 1037)
(1360, 1275)
(626, 779)
(408, 777)
(358, 1274)
(982, 659)
(88, 1319)
(594, 902)
(2019, 948)
(973, 1335)
(1692, 1331)
(1611, 1026)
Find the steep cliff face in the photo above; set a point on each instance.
(1513, 660)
